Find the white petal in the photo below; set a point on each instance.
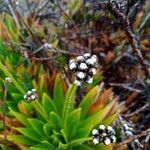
(129, 133)
(94, 58)
(28, 98)
(102, 127)
(94, 131)
(80, 58)
(78, 83)
(87, 55)
(25, 96)
(104, 134)
(126, 126)
(33, 90)
(71, 60)
(83, 66)
(72, 65)
(29, 92)
(89, 61)
(93, 70)
(95, 141)
(113, 138)
(110, 128)
(107, 141)
(47, 46)
(33, 97)
(90, 80)
(81, 75)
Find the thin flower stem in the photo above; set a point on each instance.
(129, 140)
(4, 114)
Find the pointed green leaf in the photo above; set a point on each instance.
(42, 83)
(37, 126)
(87, 100)
(17, 96)
(62, 146)
(56, 120)
(30, 133)
(109, 120)
(64, 135)
(38, 107)
(79, 141)
(25, 108)
(97, 118)
(72, 122)
(44, 145)
(21, 139)
(58, 95)
(69, 100)
(48, 103)
(83, 147)
(48, 129)
(82, 132)
(20, 117)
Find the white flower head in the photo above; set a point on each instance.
(113, 138)
(29, 92)
(33, 97)
(25, 96)
(86, 55)
(96, 141)
(81, 75)
(90, 80)
(78, 83)
(110, 128)
(83, 66)
(107, 141)
(102, 127)
(126, 126)
(93, 70)
(72, 64)
(104, 134)
(94, 131)
(33, 90)
(89, 61)
(80, 58)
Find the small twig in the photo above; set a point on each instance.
(13, 13)
(72, 21)
(125, 24)
(137, 111)
(125, 86)
(144, 22)
(43, 47)
(28, 5)
(144, 133)
(47, 46)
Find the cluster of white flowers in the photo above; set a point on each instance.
(31, 95)
(104, 135)
(128, 130)
(84, 68)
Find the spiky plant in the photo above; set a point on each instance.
(56, 123)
